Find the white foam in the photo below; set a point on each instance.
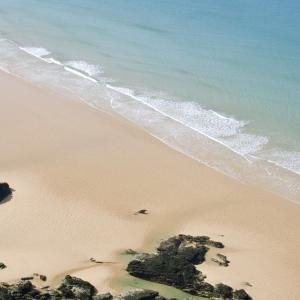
(224, 130)
(37, 52)
(80, 74)
(289, 160)
(56, 62)
(89, 69)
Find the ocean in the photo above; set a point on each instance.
(215, 80)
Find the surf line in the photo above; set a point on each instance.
(176, 120)
(80, 74)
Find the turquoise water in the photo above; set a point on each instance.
(216, 80)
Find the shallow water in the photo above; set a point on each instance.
(217, 81)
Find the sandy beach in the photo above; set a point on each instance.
(79, 175)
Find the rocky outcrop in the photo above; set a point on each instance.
(4, 190)
(174, 264)
(76, 287)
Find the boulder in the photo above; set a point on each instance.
(222, 291)
(137, 294)
(173, 265)
(24, 285)
(106, 296)
(4, 190)
(73, 286)
(241, 295)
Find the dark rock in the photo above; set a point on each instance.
(43, 277)
(5, 284)
(66, 292)
(249, 284)
(222, 291)
(27, 278)
(214, 244)
(24, 285)
(2, 266)
(160, 298)
(241, 295)
(4, 190)
(137, 294)
(34, 292)
(79, 288)
(106, 296)
(142, 211)
(130, 251)
(173, 265)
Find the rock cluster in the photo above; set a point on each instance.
(4, 190)
(70, 288)
(174, 264)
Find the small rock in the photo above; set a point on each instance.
(24, 285)
(137, 294)
(142, 211)
(130, 251)
(92, 259)
(247, 283)
(43, 277)
(45, 287)
(4, 191)
(5, 284)
(105, 296)
(27, 278)
(35, 274)
(2, 266)
(99, 262)
(214, 244)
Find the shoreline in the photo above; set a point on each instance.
(80, 174)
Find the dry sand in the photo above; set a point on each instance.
(80, 174)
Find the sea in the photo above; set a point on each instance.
(216, 80)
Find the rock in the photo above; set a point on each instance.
(5, 284)
(241, 295)
(224, 262)
(106, 296)
(130, 251)
(160, 298)
(214, 244)
(27, 278)
(173, 265)
(137, 294)
(43, 277)
(247, 283)
(66, 292)
(92, 259)
(24, 285)
(142, 211)
(4, 190)
(78, 287)
(2, 266)
(222, 291)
